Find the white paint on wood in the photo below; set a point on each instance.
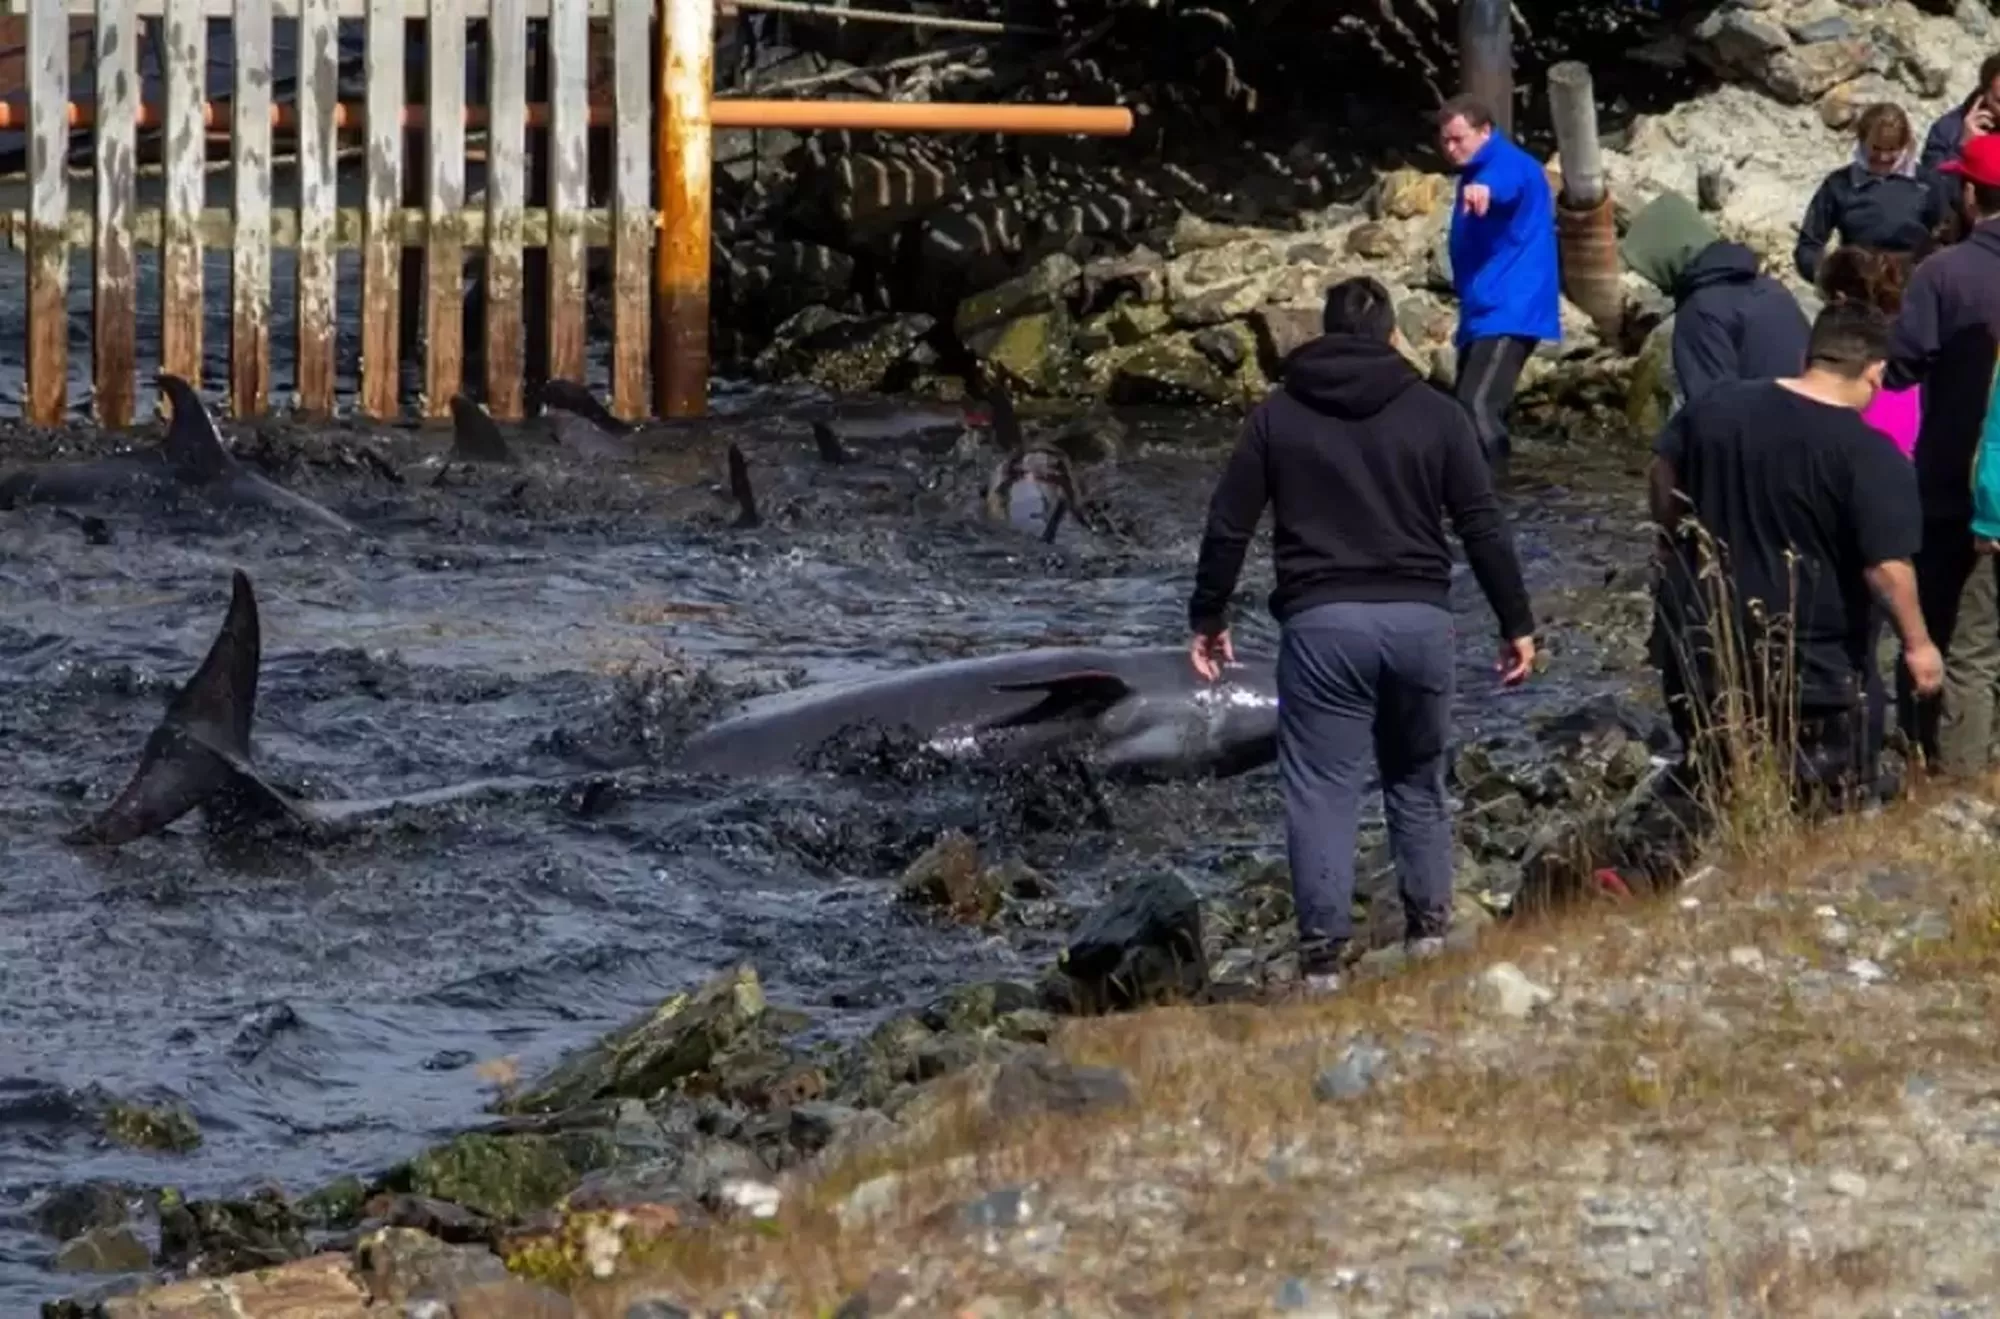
(319, 73)
(445, 304)
(250, 266)
(186, 150)
(114, 292)
(381, 265)
(631, 202)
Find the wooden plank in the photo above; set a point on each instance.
(48, 244)
(380, 259)
(506, 192)
(444, 310)
(216, 226)
(319, 75)
(342, 8)
(686, 153)
(186, 147)
(569, 187)
(114, 342)
(632, 209)
(250, 264)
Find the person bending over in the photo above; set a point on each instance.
(1361, 459)
(1783, 516)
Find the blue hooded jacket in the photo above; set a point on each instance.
(1503, 263)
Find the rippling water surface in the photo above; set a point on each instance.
(315, 1003)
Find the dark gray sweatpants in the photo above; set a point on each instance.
(1362, 682)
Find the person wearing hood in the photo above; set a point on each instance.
(1947, 339)
(1731, 320)
(1875, 201)
(1361, 460)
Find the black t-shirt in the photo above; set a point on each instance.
(1799, 497)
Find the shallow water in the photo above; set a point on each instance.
(316, 1004)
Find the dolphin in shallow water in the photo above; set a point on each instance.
(199, 755)
(192, 458)
(1142, 712)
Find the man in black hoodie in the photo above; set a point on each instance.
(1361, 459)
(1731, 320)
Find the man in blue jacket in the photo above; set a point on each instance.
(1503, 265)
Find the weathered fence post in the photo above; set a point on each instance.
(444, 261)
(1486, 56)
(250, 156)
(569, 181)
(114, 304)
(186, 149)
(319, 89)
(506, 193)
(48, 243)
(1586, 228)
(381, 258)
(631, 209)
(686, 155)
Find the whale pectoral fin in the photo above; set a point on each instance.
(1081, 695)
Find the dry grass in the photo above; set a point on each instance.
(1663, 1055)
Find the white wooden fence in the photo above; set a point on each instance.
(111, 226)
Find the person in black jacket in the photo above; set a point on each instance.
(1731, 321)
(1975, 116)
(1875, 201)
(1361, 459)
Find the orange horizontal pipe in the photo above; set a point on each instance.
(804, 116)
(922, 117)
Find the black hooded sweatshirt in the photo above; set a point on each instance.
(1733, 322)
(1361, 459)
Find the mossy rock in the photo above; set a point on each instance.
(499, 1176)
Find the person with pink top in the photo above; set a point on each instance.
(1875, 278)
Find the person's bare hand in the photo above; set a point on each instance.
(1211, 653)
(1477, 198)
(1983, 546)
(1517, 660)
(1978, 122)
(1926, 668)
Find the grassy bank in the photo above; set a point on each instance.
(1765, 1093)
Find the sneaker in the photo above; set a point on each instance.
(1424, 949)
(1319, 984)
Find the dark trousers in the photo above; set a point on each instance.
(1488, 371)
(1362, 682)
(1836, 748)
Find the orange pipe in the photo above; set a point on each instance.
(804, 116)
(923, 117)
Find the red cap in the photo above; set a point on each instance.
(1978, 162)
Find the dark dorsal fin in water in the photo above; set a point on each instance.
(570, 396)
(201, 749)
(740, 487)
(830, 448)
(193, 445)
(1084, 694)
(1054, 524)
(475, 436)
(1006, 425)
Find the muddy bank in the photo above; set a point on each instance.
(208, 1015)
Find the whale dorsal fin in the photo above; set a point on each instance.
(1083, 694)
(193, 445)
(740, 487)
(828, 443)
(475, 436)
(570, 396)
(201, 748)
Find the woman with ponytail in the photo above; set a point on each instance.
(1875, 278)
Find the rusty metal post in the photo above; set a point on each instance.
(1586, 229)
(1486, 56)
(686, 153)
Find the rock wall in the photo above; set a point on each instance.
(1181, 266)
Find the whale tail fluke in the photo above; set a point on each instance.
(200, 752)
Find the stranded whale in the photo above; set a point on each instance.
(192, 458)
(1143, 712)
(199, 755)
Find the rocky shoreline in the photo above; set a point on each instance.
(708, 1109)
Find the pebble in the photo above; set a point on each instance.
(1748, 958)
(758, 1199)
(1866, 971)
(1504, 988)
(1350, 1077)
(1850, 1184)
